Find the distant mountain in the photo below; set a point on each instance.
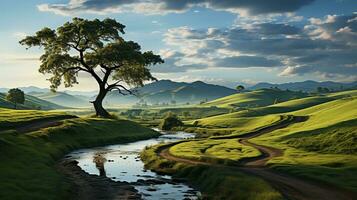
(27, 89)
(166, 91)
(160, 86)
(64, 99)
(31, 102)
(307, 86)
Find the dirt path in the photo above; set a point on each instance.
(290, 187)
(42, 123)
(93, 187)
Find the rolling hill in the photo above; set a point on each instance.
(64, 99)
(323, 144)
(307, 86)
(257, 98)
(31, 102)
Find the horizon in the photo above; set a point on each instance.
(224, 44)
(66, 90)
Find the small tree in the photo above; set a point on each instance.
(169, 122)
(94, 47)
(15, 96)
(240, 88)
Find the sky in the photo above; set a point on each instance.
(226, 42)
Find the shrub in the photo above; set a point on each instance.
(169, 122)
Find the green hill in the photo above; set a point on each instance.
(307, 86)
(31, 102)
(257, 98)
(322, 148)
(64, 99)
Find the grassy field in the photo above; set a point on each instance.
(257, 98)
(323, 148)
(214, 150)
(214, 182)
(10, 118)
(27, 160)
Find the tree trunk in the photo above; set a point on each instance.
(98, 104)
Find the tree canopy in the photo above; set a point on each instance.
(95, 47)
(15, 96)
(170, 121)
(240, 88)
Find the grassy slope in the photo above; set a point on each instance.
(27, 160)
(255, 98)
(31, 102)
(223, 125)
(243, 121)
(224, 150)
(215, 182)
(10, 118)
(323, 148)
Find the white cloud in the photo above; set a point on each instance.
(19, 35)
(160, 7)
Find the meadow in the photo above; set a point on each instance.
(321, 149)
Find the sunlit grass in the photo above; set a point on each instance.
(209, 149)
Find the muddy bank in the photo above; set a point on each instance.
(93, 187)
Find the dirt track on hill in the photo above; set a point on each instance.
(42, 123)
(290, 187)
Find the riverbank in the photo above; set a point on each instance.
(27, 167)
(93, 187)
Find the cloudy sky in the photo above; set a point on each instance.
(218, 41)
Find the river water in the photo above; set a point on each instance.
(122, 163)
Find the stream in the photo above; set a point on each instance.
(121, 162)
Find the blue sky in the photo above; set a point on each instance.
(217, 41)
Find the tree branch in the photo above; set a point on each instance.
(116, 86)
(90, 70)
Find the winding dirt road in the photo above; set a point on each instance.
(290, 187)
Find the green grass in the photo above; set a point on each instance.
(211, 150)
(27, 160)
(214, 182)
(10, 118)
(257, 98)
(323, 148)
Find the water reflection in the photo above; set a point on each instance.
(99, 161)
(122, 163)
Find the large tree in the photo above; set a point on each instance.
(15, 96)
(97, 48)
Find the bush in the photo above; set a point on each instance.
(169, 122)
